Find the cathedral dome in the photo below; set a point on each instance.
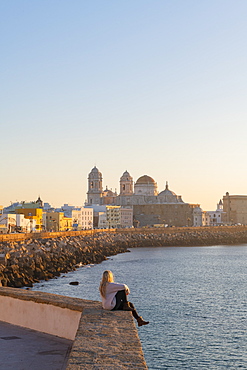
(168, 196)
(145, 185)
(145, 180)
(167, 192)
(108, 193)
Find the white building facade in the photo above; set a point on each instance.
(126, 217)
(82, 217)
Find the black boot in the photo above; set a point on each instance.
(141, 322)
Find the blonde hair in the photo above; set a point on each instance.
(107, 277)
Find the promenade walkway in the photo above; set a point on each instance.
(96, 339)
(26, 349)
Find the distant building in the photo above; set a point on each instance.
(197, 216)
(205, 218)
(126, 217)
(216, 217)
(235, 209)
(82, 217)
(149, 206)
(113, 216)
(32, 211)
(102, 220)
(32, 214)
(87, 217)
(56, 221)
(10, 222)
(208, 218)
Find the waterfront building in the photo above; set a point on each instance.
(32, 211)
(97, 210)
(197, 216)
(149, 206)
(86, 218)
(102, 220)
(8, 222)
(164, 214)
(11, 222)
(205, 218)
(82, 217)
(209, 218)
(119, 217)
(56, 221)
(113, 216)
(235, 209)
(22, 205)
(32, 214)
(126, 217)
(216, 217)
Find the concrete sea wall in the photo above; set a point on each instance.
(100, 339)
(41, 257)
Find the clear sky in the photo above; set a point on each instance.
(154, 87)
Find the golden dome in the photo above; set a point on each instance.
(145, 180)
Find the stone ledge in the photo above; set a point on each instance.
(75, 304)
(106, 340)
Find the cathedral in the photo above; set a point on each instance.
(150, 207)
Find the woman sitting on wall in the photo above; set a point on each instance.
(114, 296)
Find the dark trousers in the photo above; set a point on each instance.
(120, 300)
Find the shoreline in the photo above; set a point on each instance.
(29, 261)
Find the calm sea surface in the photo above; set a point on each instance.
(194, 298)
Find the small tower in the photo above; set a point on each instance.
(220, 206)
(39, 202)
(126, 184)
(95, 190)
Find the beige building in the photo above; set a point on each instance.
(235, 209)
(102, 220)
(113, 216)
(56, 221)
(164, 214)
(205, 218)
(126, 217)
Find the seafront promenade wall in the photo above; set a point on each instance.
(31, 258)
(100, 339)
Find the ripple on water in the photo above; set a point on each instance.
(194, 298)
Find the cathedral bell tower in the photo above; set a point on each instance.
(126, 184)
(95, 190)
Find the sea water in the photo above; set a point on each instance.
(194, 298)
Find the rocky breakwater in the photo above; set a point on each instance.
(30, 261)
(26, 262)
(189, 237)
